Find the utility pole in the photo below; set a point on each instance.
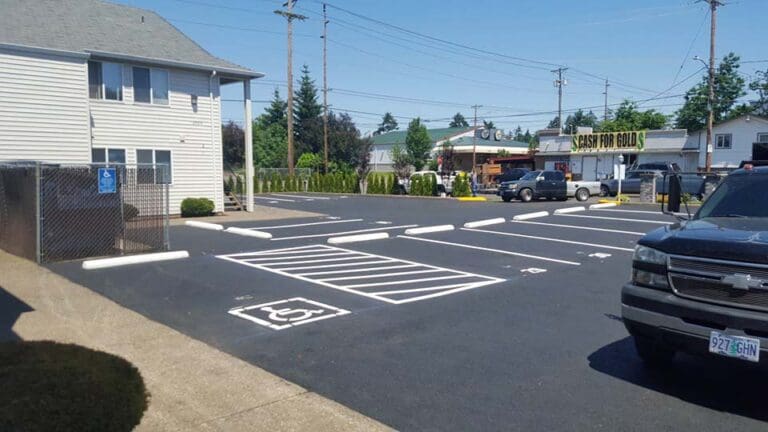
(474, 139)
(605, 116)
(559, 83)
(290, 16)
(325, 89)
(713, 5)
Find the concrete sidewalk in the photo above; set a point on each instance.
(260, 213)
(193, 386)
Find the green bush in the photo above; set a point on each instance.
(461, 186)
(192, 207)
(49, 386)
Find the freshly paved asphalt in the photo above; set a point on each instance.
(542, 351)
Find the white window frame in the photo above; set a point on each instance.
(724, 147)
(762, 134)
(106, 154)
(103, 95)
(154, 161)
(151, 92)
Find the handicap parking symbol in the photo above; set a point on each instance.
(283, 314)
(107, 180)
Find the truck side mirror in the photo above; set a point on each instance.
(674, 195)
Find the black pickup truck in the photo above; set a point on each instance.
(701, 285)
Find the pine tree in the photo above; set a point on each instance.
(275, 113)
(458, 121)
(388, 124)
(308, 124)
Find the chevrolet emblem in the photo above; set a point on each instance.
(743, 281)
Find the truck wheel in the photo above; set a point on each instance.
(526, 195)
(506, 198)
(582, 194)
(604, 191)
(651, 353)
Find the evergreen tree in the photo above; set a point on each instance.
(729, 87)
(308, 123)
(760, 86)
(233, 144)
(418, 143)
(275, 113)
(388, 124)
(458, 121)
(488, 125)
(555, 123)
(270, 146)
(517, 135)
(579, 118)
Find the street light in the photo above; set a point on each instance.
(618, 195)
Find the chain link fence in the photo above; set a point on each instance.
(80, 211)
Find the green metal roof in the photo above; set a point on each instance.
(467, 141)
(398, 137)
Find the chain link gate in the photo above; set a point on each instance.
(70, 216)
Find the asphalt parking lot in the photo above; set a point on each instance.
(510, 326)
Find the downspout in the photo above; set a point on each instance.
(213, 135)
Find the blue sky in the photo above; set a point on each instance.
(639, 45)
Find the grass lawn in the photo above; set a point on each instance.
(47, 386)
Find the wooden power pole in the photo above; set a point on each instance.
(713, 5)
(325, 89)
(290, 16)
(605, 116)
(559, 83)
(474, 139)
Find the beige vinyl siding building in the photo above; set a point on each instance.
(97, 82)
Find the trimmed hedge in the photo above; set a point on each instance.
(193, 207)
(423, 185)
(461, 186)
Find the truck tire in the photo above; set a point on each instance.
(604, 191)
(525, 195)
(582, 194)
(506, 198)
(651, 353)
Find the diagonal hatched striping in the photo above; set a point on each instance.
(382, 278)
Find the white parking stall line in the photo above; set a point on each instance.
(659, 213)
(503, 252)
(581, 227)
(327, 260)
(618, 219)
(378, 275)
(602, 246)
(301, 196)
(284, 251)
(358, 238)
(297, 225)
(334, 234)
(296, 257)
(411, 287)
(274, 199)
(360, 270)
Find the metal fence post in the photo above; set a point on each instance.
(166, 223)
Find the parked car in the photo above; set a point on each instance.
(512, 175)
(546, 184)
(701, 286)
(692, 184)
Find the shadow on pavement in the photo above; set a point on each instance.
(725, 385)
(10, 310)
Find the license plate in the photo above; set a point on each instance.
(743, 348)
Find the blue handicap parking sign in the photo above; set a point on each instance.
(107, 180)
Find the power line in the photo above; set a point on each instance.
(690, 47)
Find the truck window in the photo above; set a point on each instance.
(531, 175)
(730, 198)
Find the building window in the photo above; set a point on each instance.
(161, 159)
(723, 141)
(105, 80)
(150, 85)
(101, 155)
(762, 138)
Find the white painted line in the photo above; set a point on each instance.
(272, 202)
(204, 225)
(292, 257)
(435, 288)
(249, 232)
(570, 210)
(448, 292)
(284, 251)
(383, 223)
(326, 266)
(407, 281)
(485, 222)
(336, 234)
(272, 227)
(503, 252)
(527, 216)
(316, 261)
(333, 217)
(659, 213)
(301, 196)
(429, 229)
(549, 239)
(274, 199)
(359, 270)
(580, 227)
(533, 270)
(620, 219)
(600, 255)
(241, 313)
(602, 206)
(133, 259)
(374, 276)
(358, 238)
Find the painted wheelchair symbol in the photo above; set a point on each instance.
(290, 315)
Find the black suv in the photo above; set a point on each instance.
(701, 285)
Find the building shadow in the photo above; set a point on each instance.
(10, 310)
(732, 386)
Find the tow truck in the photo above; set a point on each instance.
(701, 285)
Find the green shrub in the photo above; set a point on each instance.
(193, 207)
(49, 386)
(461, 186)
